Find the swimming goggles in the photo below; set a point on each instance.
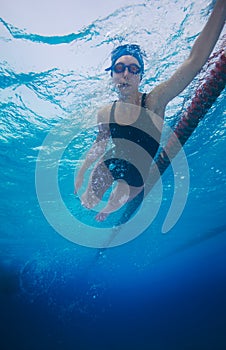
(121, 67)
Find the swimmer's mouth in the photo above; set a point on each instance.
(123, 85)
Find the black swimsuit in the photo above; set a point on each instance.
(119, 160)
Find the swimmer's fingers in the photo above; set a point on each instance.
(101, 216)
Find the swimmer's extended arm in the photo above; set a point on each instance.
(199, 54)
(96, 151)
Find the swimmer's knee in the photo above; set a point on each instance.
(89, 201)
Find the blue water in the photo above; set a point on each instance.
(155, 292)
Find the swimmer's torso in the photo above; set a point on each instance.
(135, 124)
(135, 132)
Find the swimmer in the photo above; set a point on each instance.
(137, 118)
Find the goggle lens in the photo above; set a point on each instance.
(121, 67)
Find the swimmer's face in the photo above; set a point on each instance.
(127, 81)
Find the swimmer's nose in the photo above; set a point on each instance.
(126, 72)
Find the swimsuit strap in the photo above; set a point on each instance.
(112, 114)
(143, 101)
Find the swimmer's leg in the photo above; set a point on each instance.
(122, 194)
(100, 180)
(131, 208)
(117, 199)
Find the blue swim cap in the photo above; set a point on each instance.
(128, 49)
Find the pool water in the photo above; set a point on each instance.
(158, 291)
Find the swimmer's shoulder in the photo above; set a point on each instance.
(154, 102)
(103, 115)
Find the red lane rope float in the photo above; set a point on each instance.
(205, 95)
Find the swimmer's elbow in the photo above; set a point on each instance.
(195, 62)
